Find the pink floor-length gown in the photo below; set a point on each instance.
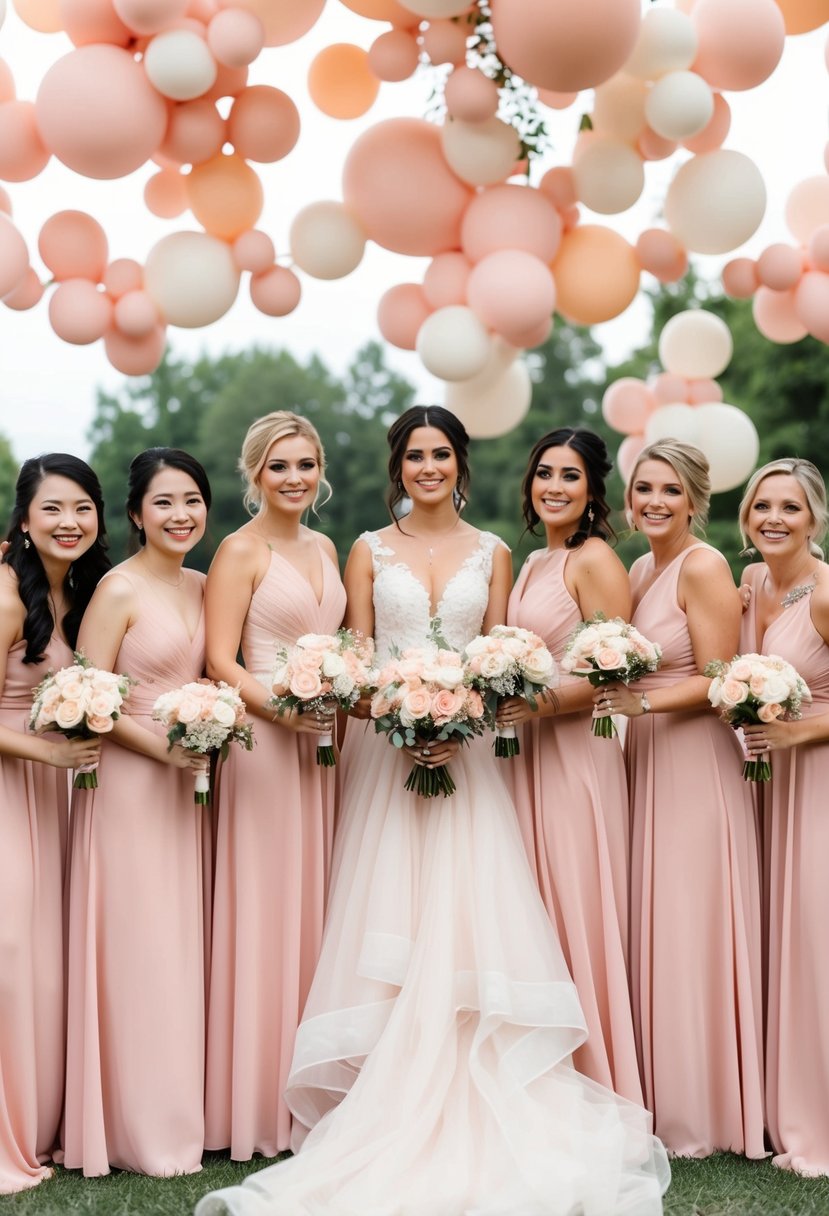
(797, 838)
(275, 818)
(571, 796)
(33, 833)
(137, 907)
(695, 905)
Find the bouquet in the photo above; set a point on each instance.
(423, 697)
(80, 702)
(204, 717)
(322, 671)
(755, 688)
(509, 662)
(609, 652)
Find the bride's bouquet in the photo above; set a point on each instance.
(320, 672)
(755, 688)
(509, 662)
(423, 698)
(609, 652)
(204, 716)
(80, 702)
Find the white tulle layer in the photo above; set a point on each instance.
(433, 1062)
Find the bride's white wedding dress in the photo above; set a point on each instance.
(432, 1065)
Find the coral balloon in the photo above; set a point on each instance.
(27, 293)
(470, 96)
(564, 46)
(93, 21)
(394, 55)
(677, 421)
(511, 217)
(801, 16)
(40, 15)
(626, 405)
(512, 292)
(225, 196)
(98, 112)
(135, 356)
(275, 292)
(79, 313)
(341, 82)
(780, 267)
(680, 105)
(662, 255)
(629, 449)
(739, 278)
(148, 16)
(121, 276)
(480, 153)
(14, 257)
(819, 248)
(740, 41)
(445, 280)
(401, 312)
(667, 42)
(135, 314)
(195, 133)
(397, 183)
(327, 240)
(668, 389)
(179, 64)
(191, 278)
(74, 246)
(263, 124)
(811, 303)
(712, 136)
(284, 21)
(729, 440)
(254, 251)
(807, 207)
(609, 175)
(775, 316)
(596, 273)
(716, 201)
(493, 402)
(559, 186)
(453, 343)
(235, 37)
(619, 108)
(381, 10)
(165, 194)
(695, 344)
(445, 42)
(229, 83)
(23, 153)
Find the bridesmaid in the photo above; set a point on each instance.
(783, 516)
(56, 554)
(272, 581)
(135, 1072)
(695, 899)
(569, 787)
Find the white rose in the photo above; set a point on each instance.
(449, 677)
(332, 665)
(224, 714)
(587, 639)
(494, 665)
(317, 641)
(280, 679)
(777, 688)
(476, 646)
(539, 666)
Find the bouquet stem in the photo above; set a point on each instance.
(326, 756)
(86, 779)
(429, 782)
(506, 742)
(201, 789)
(757, 770)
(603, 727)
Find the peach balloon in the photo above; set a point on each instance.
(512, 292)
(192, 278)
(807, 207)
(195, 133)
(254, 251)
(394, 55)
(275, 292)
(619, 108)
(93, 21)
(565, 46)
(263, 124)
(27, 293)
(401, 311)
(14, 257)
(229, 83)
(511, 217)
(470, 96)
(382, 10)
(445, 280)
(662, 255)
(98, 112)
(780, 267)
(235, 37)
(801, 16)
(626, 405)
(480, 153)
(608, 174)
(327, 240)
(536, 336)
(135, 356)
(716, 201)
(570, 218)
(559, 186)
(703, 392)
(340, 81)
(811, 303)
(40, 15)
(74, 246)
(399, 185)
(596, 273)
(739, 278)
(5, 202)
(712, 136)
(123, 275)
(23, 153)
(556, 101)
(668, 388)
(651, 146)
(148, 16)
(225, 196)
(7, 89)
(284, 20)
(79, 313)
(165, 194)
(740, 41)
(819, 248)
(135, 314)
(445, 42)
(179, 64)
(629, 449)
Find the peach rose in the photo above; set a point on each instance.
(102, 705)
(71, 689)
(416, 704)
(188, 710)
(100, 725)
(609, 659)
(474, 703)
(69, 713)
(305, 685)
(733, 692)
(741, 670)
(446, 705)
(380, 705)
(770, 712)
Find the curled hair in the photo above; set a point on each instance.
(83, 575)
(690, 466)
(398, 440)
(593, 451)
(261, 435)
(143, 469)
(811, 483)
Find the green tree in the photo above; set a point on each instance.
(8, 478)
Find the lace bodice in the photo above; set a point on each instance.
(402, 608)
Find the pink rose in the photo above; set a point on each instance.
(100, 725)
(474, 703)
(446, 705)
(733, 692)
(189, 709)
(306, 685)
(69, 713)
(609, 659)
(380, 705)
(307, 660)
(416, 704)
(770, 712)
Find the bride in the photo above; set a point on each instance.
(432, 1074)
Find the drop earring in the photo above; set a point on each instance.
(591, 514)
(27, 544)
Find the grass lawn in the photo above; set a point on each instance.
(721, 1186)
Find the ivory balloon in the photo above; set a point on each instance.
(436, 8)
(401, 312)
(2, 12)
(729, 440)
(677, 421)
(490, 405)
(716, 201)
(79, 313)
(609, 176)
(179, 64)
(695, 344)
(191, 278)
(807, 207)
(14, 256)
(480, 153)
(667, 42)
(775, 316)
(453, 343)
(327, 240)
(680, 105)
(148, 16)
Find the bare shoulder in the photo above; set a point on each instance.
(12, 608)
(595, 554)
(115, 589)
(704, 565)
(752, 572)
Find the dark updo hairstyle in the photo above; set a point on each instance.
(398, 439)
(143, 469)
(591, 447)
(83, 575)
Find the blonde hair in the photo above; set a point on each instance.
(690, 466)
(811, 483)
(261, 435)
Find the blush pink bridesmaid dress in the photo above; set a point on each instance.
(275, 819)
(695, 905)
(571, 796)
(33, 831)
(797, 849)
(136, 1012)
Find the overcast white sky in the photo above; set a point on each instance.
(47, 388)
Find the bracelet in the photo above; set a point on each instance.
(645, 703)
